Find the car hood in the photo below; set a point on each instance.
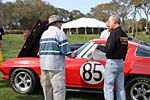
(30, 47)
(26, 61)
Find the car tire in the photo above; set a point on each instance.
(138, 88)
(24, 81)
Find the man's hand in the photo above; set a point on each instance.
(74, 53)
(99, 46)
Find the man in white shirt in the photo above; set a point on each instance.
(105, 34)
(54, 47)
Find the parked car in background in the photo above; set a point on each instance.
(85, 72)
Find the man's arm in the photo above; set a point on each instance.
(109, 45)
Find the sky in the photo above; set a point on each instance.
(83, 6)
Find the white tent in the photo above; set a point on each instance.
(84, 23)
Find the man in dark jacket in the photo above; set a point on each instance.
(115, 49)
(1, 33)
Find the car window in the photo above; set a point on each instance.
(93, 53)
(89, 52)
(79, 50)
(143, 50)
(99, 55)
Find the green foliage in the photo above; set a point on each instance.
(22, 14)
(135, 2)
(77, 14)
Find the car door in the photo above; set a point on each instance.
(86, 71)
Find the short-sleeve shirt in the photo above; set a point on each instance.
(105, 34)
(53, 48)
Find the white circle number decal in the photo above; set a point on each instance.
(92, 72)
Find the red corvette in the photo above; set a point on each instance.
(84, 72)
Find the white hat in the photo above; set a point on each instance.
(54, 18)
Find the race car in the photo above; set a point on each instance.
(85, 72)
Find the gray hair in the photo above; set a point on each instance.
(116, 18)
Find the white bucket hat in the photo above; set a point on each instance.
(54, 18)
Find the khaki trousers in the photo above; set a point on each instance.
(53, 84)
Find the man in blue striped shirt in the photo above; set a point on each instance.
(53, 49)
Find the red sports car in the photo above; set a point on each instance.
(85, 72)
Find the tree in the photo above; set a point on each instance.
(7, 12)
(141, 5)
(75, 14)
(123, 10)
(131, 7)
(142, 23)
(145, 6)
(64, 14)
(26, 12)
(1, 14)
(103, 11)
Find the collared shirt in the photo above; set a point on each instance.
(53, 49)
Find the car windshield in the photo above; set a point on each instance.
(89, 51)
(143, 50)
(82, 47)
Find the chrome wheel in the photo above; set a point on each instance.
(140, 91)
(138, 88)
(23, 81)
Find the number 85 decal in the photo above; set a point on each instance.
(92, 72)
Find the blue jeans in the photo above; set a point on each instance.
(114, 74)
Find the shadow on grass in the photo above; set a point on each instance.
(69, 96)
(4, 83)
(84, 96)
(36, 97)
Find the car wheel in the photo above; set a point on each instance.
(24, 81)
(138, 88)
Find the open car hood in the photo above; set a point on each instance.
(31, 45)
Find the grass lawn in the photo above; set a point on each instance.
(12, 43)
(141, 36)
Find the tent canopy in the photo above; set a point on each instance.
(84, 22)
